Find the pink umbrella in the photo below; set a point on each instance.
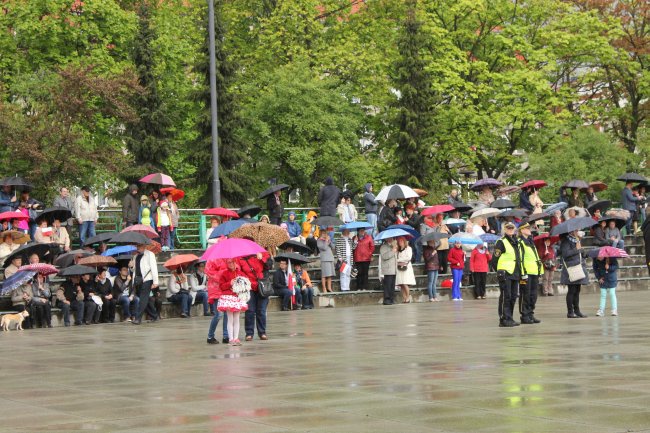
(41, 268)
(13, 215)
(609, 252)
(231, 249)
(439, 208)
(142, 229)
(158, 179)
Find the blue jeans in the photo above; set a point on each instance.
(432, 281)
(628, 223)
(86, 230)
(457, 275)
(619, 244)
(215, 321)
(125, 302)
(256, 314)
(372, 219)
(172, 238)
(202, 297)
(183, 299)
(285, 295)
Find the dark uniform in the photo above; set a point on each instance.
(528, 287)
(507, 261)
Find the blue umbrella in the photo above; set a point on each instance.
(121, 249)
(16, 280)
(490, 238)
(466, 239)
(391, 233)
(454, 222)
(355, 226)
(556, 206)
(410, 230)
(228, 227)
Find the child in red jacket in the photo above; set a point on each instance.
(456, 259)
(479, 267)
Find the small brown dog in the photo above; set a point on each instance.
(6, 320)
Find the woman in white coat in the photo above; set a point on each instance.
(405, 276)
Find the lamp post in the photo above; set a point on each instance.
(216, 185)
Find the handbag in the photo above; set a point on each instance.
(401, 266)
(264, 288)
(575, 272)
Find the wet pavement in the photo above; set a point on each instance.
(430, 367)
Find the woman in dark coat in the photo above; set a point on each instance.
(571, 255)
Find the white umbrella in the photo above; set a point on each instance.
(397, 192)
(580, 212)
(485, 213)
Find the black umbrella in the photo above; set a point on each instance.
(100, 238)
(251, 210)
(327, 221)
(42, 250)
(515, 213)
(503, 203)
(76, 270)
(603, 205)
(123, 259)
(576, 183)
(17, 182)
(573, 224)
(632, 177)
(296, 246)
(536, 217)
(67, 259)
(294, 257)
(433, 236)
(132, 238)
(620, 222)
(55, 213)
(461, 207)
(274, 188)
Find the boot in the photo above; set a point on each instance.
(570, 314)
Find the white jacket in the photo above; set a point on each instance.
(174, 287)
(85, 210)
(148, 267)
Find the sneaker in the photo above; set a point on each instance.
(599, 313)
(225, 340)
(213, 341)
(614, 312)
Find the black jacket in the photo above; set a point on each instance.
(275, 210)
(279, 281)
(386, 218)
(118, 287)
(599, 237)
(130, 207)
(370, 204)
(328, 199)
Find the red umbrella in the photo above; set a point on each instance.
(154, 247)
(41, 268)
(534, 184)
(142, 229)
(158, 179)
(539, 240)
(176, 193)
(439, 208)
(222, 212)
(8, 216)
(597, 186)
(181, 260)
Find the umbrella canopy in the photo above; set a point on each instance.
(572, 225)
(17, 182)
(536, 217)
(392, 233)
(466, 239)
(490, 238)
(121, 249)
(123, 260)
(54, 213)
(296, 246)
(16, 280)
(485, 213)
(580, 212)
(75, 270)
(503, 203)
(433, 236)
(461, 207)
(616, 253)
(421, 192)
(266, 235)
(294, 257)
(555, 207)
(597, 186)
(439, 208)
(273, 189)
(576, 183)
(540, 239)
(632, 177)
(67, 259)
(40, 268)
(146, 230)
(8, 216)
(16, 236)
(537, 184)
(130, 237)
(251, 210)
(100, 238)
(226, 228)
(42, 250)
(396, 192)
(508, 189)
(97, 261)
(356, 225)
(410, 230)
(176, 193)
(487, 182)
(601, 205)
(154, 247)
(620, 222)
(454, 222)
(327, 221)
(158, 179)
(232, 248)
(515, 213)
(221, 211)
(180, 261)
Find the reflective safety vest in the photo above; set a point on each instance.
(508, 259)
(531, 263)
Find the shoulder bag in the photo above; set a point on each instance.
(575, 272)
(263, 287)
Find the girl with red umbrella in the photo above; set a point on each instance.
(544, 244)
(229, 300)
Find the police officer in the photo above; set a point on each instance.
(532, 267)
(507, 261)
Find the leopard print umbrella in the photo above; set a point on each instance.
(266, 235)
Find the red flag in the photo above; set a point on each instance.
(291, 283)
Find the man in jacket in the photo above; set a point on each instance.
(628, 202)
(362, 257)
(130, 207)
(105, 290)
(507, 261)
(387, 215)
(8, 200)
(274, 205)
(281, 285)
(69, 298)
(86, 214)
(388, 269)
(328, 198)
(63, 200)
(255, 268)
(124, 293)
(532, 266)
(199, 288)
(145, 271)
(370, 206)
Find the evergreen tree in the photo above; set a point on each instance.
(414, 118)
(233, 151)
